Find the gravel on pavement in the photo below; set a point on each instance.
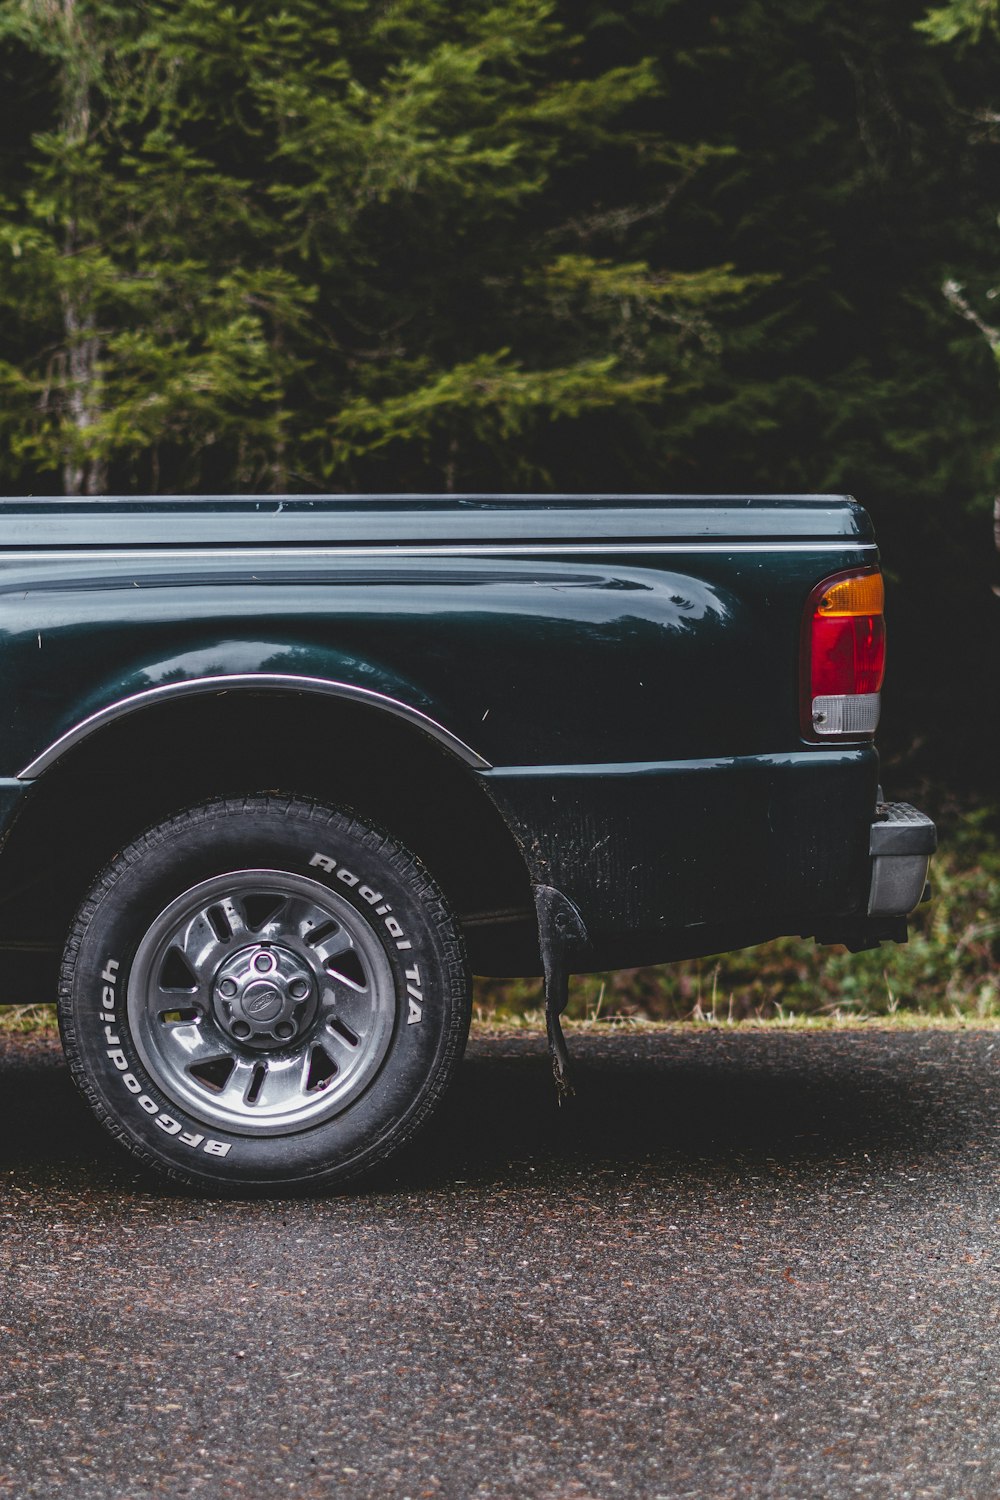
(737, 1264)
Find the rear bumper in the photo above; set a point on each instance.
(670, 859)
(901, 844)
(901, 841)
(676, 859)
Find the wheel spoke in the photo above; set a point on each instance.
(191, 1042)
(284, 1081)
(264, 913)
(332, 947)
(233, 1093)
(201, 946)
(315, 926)
(342, 1033)
(348, 1004)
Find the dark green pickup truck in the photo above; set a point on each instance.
(279, 773)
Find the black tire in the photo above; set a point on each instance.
(175, 952)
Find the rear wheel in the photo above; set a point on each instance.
(264, 993)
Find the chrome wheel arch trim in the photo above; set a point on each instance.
(269, 681)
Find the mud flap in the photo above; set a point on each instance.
(561, 934)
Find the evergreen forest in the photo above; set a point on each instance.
(330, 245)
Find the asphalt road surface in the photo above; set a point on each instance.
(742, 1265)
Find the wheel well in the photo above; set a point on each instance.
(140, 769)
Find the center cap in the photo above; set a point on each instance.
(261, 1002)
(264, 996)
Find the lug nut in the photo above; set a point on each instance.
(263, 963)
(299, 989)
(227, 987)
(284, 1030)
(241, 1029)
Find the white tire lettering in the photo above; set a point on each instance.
(414, 996)
(120, 1062)
(368, 893)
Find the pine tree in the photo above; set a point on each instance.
(320, 247)
(960, 23)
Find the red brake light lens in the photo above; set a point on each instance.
(848, 654)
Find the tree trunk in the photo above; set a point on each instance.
(81, 476)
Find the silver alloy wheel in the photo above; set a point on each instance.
(262, 1001)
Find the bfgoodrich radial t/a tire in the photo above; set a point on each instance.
(263, 994)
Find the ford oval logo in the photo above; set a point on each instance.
(262, 1004)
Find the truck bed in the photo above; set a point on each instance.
(617, 677)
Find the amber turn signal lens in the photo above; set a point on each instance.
(862, 595)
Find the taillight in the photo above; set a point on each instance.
(843, 656)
